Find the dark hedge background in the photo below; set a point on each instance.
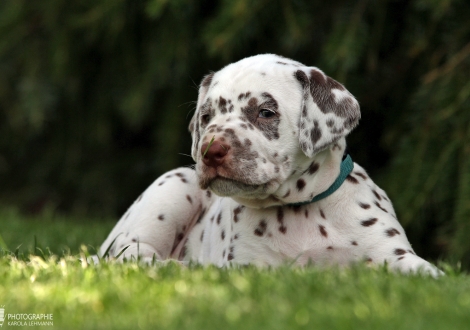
(96, 96)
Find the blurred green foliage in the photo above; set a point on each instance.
(95, 96)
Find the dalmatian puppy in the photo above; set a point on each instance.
(272, 183)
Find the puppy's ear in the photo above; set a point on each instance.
(194, 126)
(329, 112)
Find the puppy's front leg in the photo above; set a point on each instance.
(159, 221)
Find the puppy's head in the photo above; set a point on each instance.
(261, 121)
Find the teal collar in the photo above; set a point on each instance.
(346, 168)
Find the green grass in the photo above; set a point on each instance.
(169, 296)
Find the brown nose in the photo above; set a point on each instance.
(213, 155)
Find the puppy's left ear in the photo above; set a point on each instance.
(329, 112)
(194, 123)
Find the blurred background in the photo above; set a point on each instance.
(96, 97)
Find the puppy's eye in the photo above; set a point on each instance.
(205, 119)
(266, 113)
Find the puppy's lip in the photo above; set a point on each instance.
(234, 181)
(208, 180)
(229, 187)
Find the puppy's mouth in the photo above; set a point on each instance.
(229, 187)
(226, 187)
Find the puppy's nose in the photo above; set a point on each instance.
(213, 155)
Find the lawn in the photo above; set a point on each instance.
(51, 279)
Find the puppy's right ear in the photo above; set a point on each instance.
(194, 126)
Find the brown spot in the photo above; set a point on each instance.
(377, 195)
(370, 222)
(236, 236)
(400, 258)
(313, 168)
(380, 207)
(230, 257)
(236, 212)
(261, 229)
(363, 176)
(189, 199)
(223, 254)
(219, 217)
(323, 231)
(208, 194)
(184, 180)
(352, 179)
(286, 194)
(179, 175)
(315, 133)
(222, 105)
(329, 248)
(296, 208)
(399, 252)
(161, 217)
(280, 215)
(134, 240)
(161, 183)
(222, 235)
(179, 237)
(202, 235)
(306, 213)
(280, 220)
(354, 243)
(322, 214)
(364, 205)
(300, 184)
(392, 232)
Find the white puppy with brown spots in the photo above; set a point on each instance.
(272, 182)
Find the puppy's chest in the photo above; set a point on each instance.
(229, 232)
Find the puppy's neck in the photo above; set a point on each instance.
(312, 177)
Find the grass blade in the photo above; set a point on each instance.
(122, 251)
(208, 146)
(106, 253)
